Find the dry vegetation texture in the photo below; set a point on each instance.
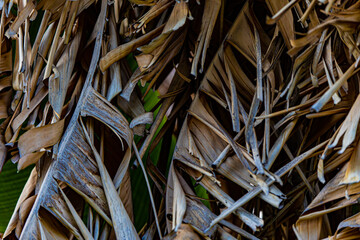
(262, 96)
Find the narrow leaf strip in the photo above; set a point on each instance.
(85, 232)
(124, 229)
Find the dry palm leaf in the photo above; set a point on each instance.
(31, 142)
(52, 97)
(279, 94)
(208, 136)
(211, 11)
(207, 133)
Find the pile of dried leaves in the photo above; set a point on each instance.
(268, 149)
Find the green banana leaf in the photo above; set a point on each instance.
(11, 185)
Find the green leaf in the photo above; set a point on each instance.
(11, 185)
(141, 200)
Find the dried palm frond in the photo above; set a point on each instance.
(77, 107)
(262, 98)
(246, 83)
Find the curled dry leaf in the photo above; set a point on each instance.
(145, 118)
(41, 137)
